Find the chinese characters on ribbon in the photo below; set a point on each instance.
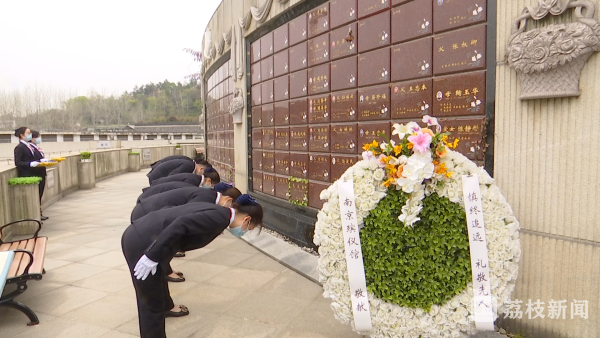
(356, 269)
(482, 306)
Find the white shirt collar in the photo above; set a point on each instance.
(202, 180)
(232, 215)
(218, 197)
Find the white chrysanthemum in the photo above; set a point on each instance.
(451, 319)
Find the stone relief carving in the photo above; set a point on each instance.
(549, 59)
(246, 21)
(207, 44)
(227, 37)
(260, 14)
(237, 54)
(220, 46)
(236, 106)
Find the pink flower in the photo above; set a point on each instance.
(420, 142)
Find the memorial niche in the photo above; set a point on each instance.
(388, 53)
(220, 122)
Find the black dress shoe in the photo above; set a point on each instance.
(175, 280)
(183, 312)
(44, 218)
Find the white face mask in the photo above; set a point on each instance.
(239, 232)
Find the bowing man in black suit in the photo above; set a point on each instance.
(28, 159)
(172, 167)
(199, 158)
(153, 240)
(208, 178)
(223, 195)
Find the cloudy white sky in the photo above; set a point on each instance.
(108, 45)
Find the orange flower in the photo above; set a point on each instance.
(427, 131)
(388, 182)
(409, 146)
(399, 171)
(441, 153)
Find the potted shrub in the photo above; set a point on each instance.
(23, 192)
(134, 161)
(86, 171)
(178, 150)
(86, 156)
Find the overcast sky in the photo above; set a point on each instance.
(109, 45)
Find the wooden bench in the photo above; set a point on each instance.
(28, 264)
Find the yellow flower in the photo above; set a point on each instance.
(397, 150)
(410, 146)
(440, 168)
(388, 182)
(449, 174)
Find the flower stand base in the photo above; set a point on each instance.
(134, 162)
(87, 175)
(25, 204)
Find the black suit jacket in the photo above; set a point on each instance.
(187, 227)
(190, 178)
(174, 198)
(170, 168)
(23, 158)
(177, 197)
(157, 189)
(170, 158)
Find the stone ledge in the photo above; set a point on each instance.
(287, 254)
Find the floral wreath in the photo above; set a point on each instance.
(419, 167)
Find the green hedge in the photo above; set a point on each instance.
(178, 146)
(86, 155)
(134, 153)
(24, 180)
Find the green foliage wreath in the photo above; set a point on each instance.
(421, 266)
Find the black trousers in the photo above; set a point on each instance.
(152, 294)
(42, 186)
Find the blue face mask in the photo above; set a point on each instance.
(206, 186)
(38, 140)
(28, 137)
(238, 232)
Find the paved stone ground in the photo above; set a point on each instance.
(232, 290)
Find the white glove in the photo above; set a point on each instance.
(34, 164)
(143, 268)
(45, 160)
